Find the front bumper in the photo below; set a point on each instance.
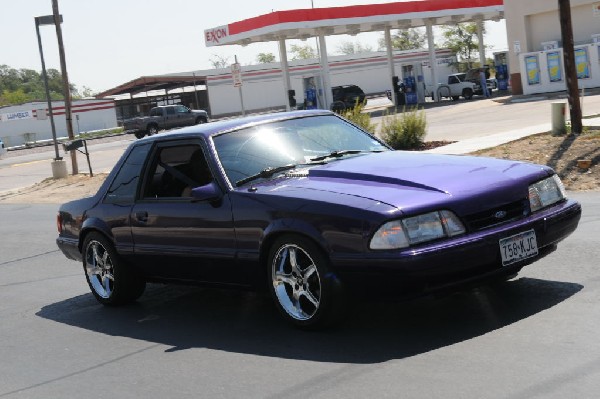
(453, 262)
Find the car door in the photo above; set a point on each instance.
(176, 237)
(184, 116)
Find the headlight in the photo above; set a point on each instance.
(430, 226)
(546, 192)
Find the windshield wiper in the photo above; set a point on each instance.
(340, 153)
(267, 172)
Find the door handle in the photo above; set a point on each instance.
(141, 216)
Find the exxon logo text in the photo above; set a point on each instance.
(214, 36)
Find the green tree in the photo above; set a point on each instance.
(18, 86)
(13, 97)
(462, 40)
(348, 48)
(409, 39)
(265, 58)
(303, 52)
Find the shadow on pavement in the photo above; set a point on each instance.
(241, 322)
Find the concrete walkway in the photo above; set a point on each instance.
(480, 143)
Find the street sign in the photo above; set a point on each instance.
(236, 74)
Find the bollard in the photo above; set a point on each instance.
(558, 119)
(59, 169)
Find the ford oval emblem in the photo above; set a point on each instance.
(500, 214)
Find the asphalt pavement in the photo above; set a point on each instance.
(533, 337)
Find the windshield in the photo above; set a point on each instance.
(254, 150)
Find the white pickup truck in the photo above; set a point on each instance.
(456, 87)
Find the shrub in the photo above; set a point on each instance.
(404, 131)
(356, 116)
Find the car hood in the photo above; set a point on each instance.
(418, 182)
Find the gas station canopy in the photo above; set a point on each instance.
(351, 20)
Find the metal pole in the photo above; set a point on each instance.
(570, 69)
(196, 91)
(241, 94)
(45, 76)
(67, 89)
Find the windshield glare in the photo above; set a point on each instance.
(247, 152)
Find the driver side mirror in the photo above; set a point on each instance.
(208, 192)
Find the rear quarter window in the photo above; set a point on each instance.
(124, 186)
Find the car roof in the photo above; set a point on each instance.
(209, 129)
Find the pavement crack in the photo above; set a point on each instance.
(8, 262)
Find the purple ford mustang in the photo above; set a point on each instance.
(311, 207)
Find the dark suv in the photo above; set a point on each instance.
(347, 96)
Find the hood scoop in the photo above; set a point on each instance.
(357, 176)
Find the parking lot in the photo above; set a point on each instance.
(533, 337)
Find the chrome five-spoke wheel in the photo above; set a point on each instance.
(305, 291)
(111, 280)
(296, 282)
(99, 269)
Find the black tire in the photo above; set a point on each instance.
(455, 98)
(200, 120)
(152, 129)
(110, 279)
(139, 135)
(303, 288)
(467, 94)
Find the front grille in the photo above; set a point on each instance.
(495, 216)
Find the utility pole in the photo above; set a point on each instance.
(570, 69)
(67, 89)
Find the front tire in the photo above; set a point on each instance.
(467, 94)
(152, 130)
(200, 120)
(304, 289)
(111, 280)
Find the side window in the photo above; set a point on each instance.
(123, 188)
(180, 109)
(156, 112)
(452, 79)
(175, 170)
(170, 110)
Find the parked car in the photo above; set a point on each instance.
(164, 117)
(2, 148)
(310, 207)
(345, 97)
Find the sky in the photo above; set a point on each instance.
(110, 42)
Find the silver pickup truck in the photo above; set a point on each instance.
(164, 117)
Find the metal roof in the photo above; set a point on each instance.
(148, 83)
(305, 23)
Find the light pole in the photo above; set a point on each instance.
(47, 20)
(59, 167)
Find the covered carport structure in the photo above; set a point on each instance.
(351, 20)
(162, 83)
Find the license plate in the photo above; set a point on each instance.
(518, 247)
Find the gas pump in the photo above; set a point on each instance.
(312, 92)
(501, 65)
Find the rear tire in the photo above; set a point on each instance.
(110, 279)
(305, 291)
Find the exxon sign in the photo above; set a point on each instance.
(214, 36)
